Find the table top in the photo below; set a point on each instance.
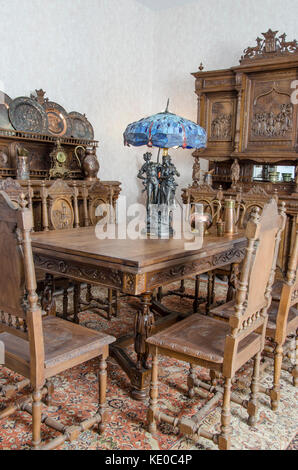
(138, 254)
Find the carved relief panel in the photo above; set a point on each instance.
(271, 118)
(220, 121)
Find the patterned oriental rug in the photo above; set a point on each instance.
(76, 393)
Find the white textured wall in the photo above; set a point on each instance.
(91, 56)
(119, 60)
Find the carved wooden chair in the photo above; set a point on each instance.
(98, 203)
(221, 347)
(212, 201)
(283, 323)
(60, 212)
(39, 347)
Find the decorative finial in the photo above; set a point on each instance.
(201, 68)
(23, 202)
(167, 108)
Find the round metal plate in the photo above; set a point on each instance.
(81, 127)
(59, 123)
(5, 101)
(28, 115)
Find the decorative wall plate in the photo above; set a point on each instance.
(81, 127)
(59, 123)
(5, 101)
(28, 115)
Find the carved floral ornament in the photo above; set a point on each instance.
(270, 46)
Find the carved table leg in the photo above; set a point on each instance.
(143, 325)
(197, 293)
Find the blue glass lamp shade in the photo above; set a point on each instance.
(165, 130)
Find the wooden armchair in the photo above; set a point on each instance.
(60, 212)
(211, 200)
(98, 203)
(221, 347)
(283, 323)
(39, 347)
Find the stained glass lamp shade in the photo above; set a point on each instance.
(165, 130)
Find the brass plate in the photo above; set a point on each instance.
(59, 124)
(28, 115)
(5, 101)
(81, 127)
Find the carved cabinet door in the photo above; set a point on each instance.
(270, 123)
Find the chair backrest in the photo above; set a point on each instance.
(100, 201)
(59, 206)
(20, 312)
(253, 294)
(246, 202)
(289, 294)
(14, 190)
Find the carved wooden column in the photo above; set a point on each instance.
(44, 196)
(239, 88)
(84, 192)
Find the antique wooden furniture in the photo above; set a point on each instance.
(100, 207)
(282, 323)
(211, 200)
(39, 348)
(133, 267)
(250, 114)
(220, 347)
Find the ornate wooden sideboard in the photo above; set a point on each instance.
(250, 114)
(39, 148)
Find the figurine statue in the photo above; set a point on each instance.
(235, 173)
(167, 181)
(196, 172)
(150, 180)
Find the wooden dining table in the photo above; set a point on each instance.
(138, 268)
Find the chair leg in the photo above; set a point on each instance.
(275, 391)
(36, 418)
(50, 391)
(117, 303)
(191, 381)
(110, 304)
(65, 301)
(295, 368)
(76, 302)
(153, 402)
(252, 406)
(102, 382)
(224, 439)
(89, 294)
(197, 293)
(159, 294)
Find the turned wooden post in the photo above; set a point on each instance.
(102, 376)
(224, 438)
(153, 402)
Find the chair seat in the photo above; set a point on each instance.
(200, 337)
(63, 342)
(223, 311)
(292, 323)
